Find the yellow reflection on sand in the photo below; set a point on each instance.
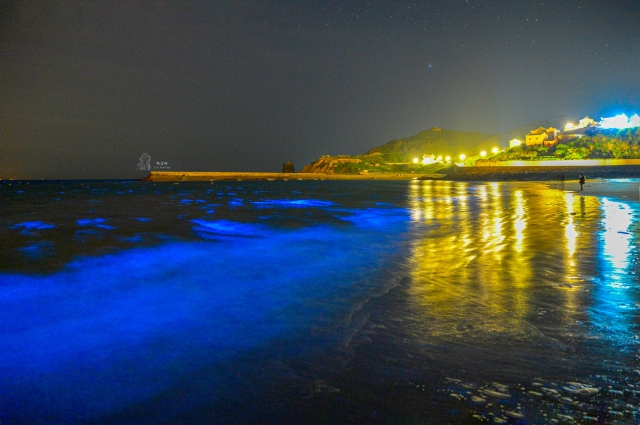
(570, 232)
(489, 251)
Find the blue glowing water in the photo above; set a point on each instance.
(315, 302)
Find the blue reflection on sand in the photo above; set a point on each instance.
(617, 240)
(615, 294)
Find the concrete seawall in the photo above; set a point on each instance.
(563, 163)
(543, 173)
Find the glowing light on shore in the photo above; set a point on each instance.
(462, 157)
(415, 160)
(447, 158)
(483, 154)
(620, 122)
(495, 150)
(514, 142)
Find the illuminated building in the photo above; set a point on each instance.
(583, 123)
(542, 137)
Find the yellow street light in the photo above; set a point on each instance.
(495, 150)
(462, 157)
(448, 158)
(483, 154)
(415, 160)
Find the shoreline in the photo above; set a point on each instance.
(523, 173)
(627, 191)
(600, 180)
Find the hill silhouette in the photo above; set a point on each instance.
(439, 142)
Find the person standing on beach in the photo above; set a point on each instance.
(581, 181)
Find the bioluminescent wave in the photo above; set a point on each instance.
(291, 203)
(106, 332)
(33, 225)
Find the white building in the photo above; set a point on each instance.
(583, 123)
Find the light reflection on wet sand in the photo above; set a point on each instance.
(531, 286)
(492, 258)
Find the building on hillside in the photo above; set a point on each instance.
(585, 122)
(535, 139)
(553, 132)
(542, 137)
(514, 142)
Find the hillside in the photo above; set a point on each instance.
(438, 142)
(397, 155)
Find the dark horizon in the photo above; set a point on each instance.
(87, 88)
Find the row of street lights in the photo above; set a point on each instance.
(463, 156)
(484, 153)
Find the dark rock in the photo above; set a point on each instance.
(288, 167)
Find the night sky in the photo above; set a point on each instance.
(86, 87)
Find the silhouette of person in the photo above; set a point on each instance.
(581, 181)
(145, 162)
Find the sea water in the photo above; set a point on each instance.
(316, 302)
